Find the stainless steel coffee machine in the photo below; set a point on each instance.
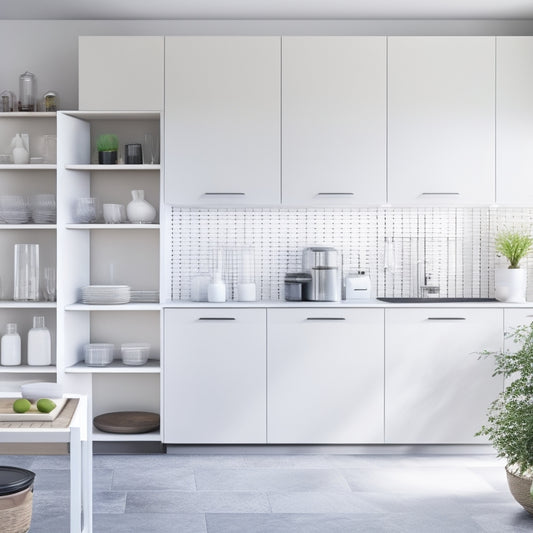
(324, 264)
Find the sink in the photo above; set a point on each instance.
(401, 300)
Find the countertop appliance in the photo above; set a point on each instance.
(324, 264)
(358, 286)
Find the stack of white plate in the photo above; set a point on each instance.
(145, 296)
(14, 209)
(105, 294)
(43, 208)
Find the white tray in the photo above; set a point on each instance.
(33, 415)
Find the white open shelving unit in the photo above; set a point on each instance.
(26, 180)
(87, 254)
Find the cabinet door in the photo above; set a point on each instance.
(334, 120)
(441, 120)
(121, 73)
(437, 388)
(325, 376)
(222, 127)
(514, 120)
(215, 376)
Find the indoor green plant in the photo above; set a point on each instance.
(509, 424)
(510, 283)
(107, 146)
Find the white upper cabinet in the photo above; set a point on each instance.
(222, 120)
(514, 124)
(334, 120)
(121, 73)
(441, 117)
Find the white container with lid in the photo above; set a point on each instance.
(10, 348)
(39, 343)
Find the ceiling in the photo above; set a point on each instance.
(264, 9)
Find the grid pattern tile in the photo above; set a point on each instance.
(401, 248)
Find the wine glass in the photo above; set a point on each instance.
(49, 285)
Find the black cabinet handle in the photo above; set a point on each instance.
(335, 194)
(216, 318)
(440, 194)
(446, 318)
(325, 318)
(224, 194)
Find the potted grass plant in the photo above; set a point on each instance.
(107, 146)
(510, 283)
(509, 425)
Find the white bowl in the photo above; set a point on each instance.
(36, 390)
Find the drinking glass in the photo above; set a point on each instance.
(86, 211)
(26, 286)
(49, 288)
(151, 149)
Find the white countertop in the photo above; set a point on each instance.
(342, 304)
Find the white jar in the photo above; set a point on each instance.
(39, 344)
(10, 347)
(216, 290)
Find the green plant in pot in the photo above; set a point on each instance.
(510, 283)
(509, 424)
(107, 146)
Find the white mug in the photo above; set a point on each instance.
(113, 213)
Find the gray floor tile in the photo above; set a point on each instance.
(109, 502)
(148, 523)
(295, 523)
(417, 481)
(271, 480)
(155, 478)
(19, 461)
(197, 502)
(321, 502)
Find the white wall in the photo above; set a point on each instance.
(49, 49)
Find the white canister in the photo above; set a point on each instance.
(10, 348)
(216, 290)
(39, 344)
(199, 285)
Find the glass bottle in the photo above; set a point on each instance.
(27, 92)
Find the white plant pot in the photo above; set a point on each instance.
(510, 285)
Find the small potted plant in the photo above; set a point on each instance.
(509, 424)
(510, 283)
(107, 146)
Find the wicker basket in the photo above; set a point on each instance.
(17, 519)
(520, 489)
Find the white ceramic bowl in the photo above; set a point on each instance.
(36, 390)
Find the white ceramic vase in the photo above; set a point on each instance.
(21, 156)
(139, 211)
(510, 285)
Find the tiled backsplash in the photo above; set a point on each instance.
(395, 245)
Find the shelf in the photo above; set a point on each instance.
(154, 436)
(28, 226)
(116, 367)
(11, 166)
(29, 114)
(109, 167)
(115, 115)
(119, 307)
(26, 305)
(25, 369)
(113, 226)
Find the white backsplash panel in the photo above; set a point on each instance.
(401, 248)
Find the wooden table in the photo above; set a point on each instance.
(71, 426)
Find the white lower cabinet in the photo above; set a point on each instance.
(437, 389)
(214, 376)
(325, 376)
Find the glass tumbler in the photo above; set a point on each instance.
(26, 287)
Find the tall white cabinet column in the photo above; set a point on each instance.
(441, 120)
